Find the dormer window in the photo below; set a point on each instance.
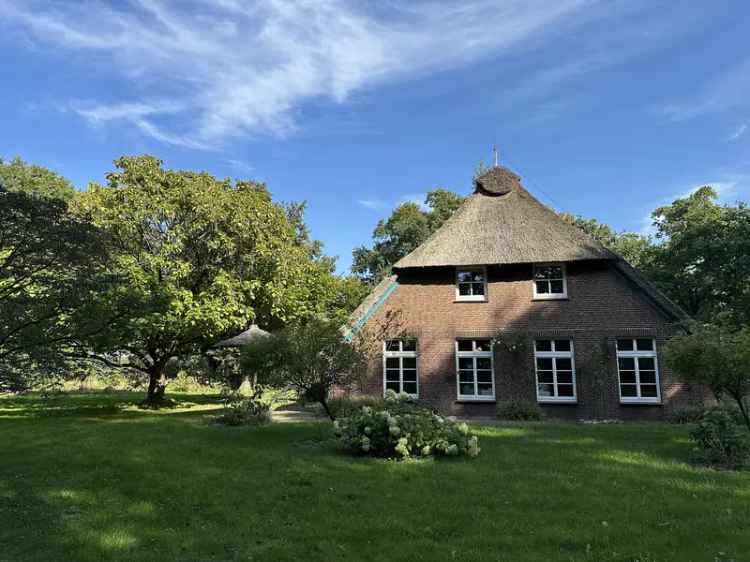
(471, 284)
(549, 281)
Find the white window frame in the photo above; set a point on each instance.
(635, 354)
(400, 355)
(472, 298)
(554, 355)
(550, 296)
(474, 355)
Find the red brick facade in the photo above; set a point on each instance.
(601, 306)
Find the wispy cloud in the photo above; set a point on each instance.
(374, 204)
(738, 132)
(232, 68)
(239, 165)
(728, 91)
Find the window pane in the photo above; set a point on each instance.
(542, 287)
(626, 363)
(482, 345)
(643, 344)
(392, 375)
(646, 364)
(410, 387)
(410, 362)
(410, 375)
(555, 271)
(544, 376)
(542, 272)
(391, 363)
(393, 345)
(464, 289)
(565, 390)
(648, 390)
(544, 345)
(625, 345)
(477, 288)
(562, 345)
(464, 345)
(627, 377)
(484, 376)
(410, 345)
(484, 363)
(556, 287)
(465, 363)
(544, 363)
(465, 276)
(394, 386)
(546, 390)
(466, 389)
(564, 376)
(648, 377)
(564, 364)
(628, 391)
(485, 390)
(466, 376)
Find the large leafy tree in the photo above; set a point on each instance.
(50, 263)
(19, 176)
(407, 227)
(201, 258)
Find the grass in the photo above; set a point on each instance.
(93, 478)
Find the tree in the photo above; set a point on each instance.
(702, 259)
(17, 175)
(636, 249)
(199, 259)
(407, 227)
(716, 357)
(50, 263)
(311, 358)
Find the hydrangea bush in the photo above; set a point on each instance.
(399, 428)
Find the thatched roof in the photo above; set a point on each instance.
(502, 223)
(249, 335)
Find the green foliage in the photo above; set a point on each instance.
(311, 359)
(721, 441)
(19, 176)
(199, 258)
(636, 249)
(398, 428)
(688, 414)
(716, 357)
(50, 266)
(406, 228)
(344, 406)
(243, 410)
(519, 410)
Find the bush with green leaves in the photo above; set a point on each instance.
(244, 410)
(519, 410)
(401, 429)
(722, 440)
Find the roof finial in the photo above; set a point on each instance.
(494, 154)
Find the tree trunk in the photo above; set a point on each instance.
(743, 409)
(156, 386)
(324, 403)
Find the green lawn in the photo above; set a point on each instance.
(87, 481)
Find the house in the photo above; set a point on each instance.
(508, 301)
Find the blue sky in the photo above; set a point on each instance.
(606, 109)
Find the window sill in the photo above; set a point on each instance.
(470, 300)
(641, 402)
(573, 401)
(476, 400)
(555, 298)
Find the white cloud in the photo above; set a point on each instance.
(232, 69)
(374, 204)
(728, 91)
(738, 132)
(240, 165)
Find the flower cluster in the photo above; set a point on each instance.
(402, 429)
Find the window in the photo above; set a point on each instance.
(400, 366)
(638, 370)
(555, 371)
(471, 284)
(549, 282)
(474, 368)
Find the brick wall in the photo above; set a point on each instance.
(601, 306)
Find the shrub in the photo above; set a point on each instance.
(721, 440)
(688, 414)
(519, 410)
(241, 410)
(402, 429)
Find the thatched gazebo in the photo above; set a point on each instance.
(225, 354)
